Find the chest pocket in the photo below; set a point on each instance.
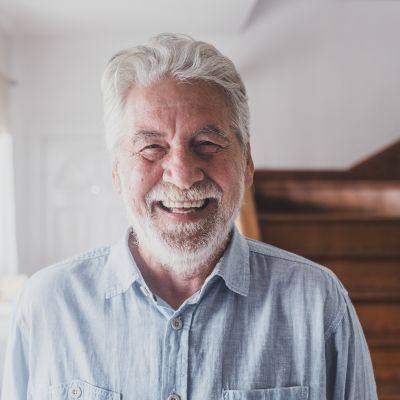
(284, 393)
(80, 390)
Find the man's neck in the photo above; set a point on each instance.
(167, 284)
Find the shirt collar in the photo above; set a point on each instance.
(121, 268)
(234, 266)
(122, 271)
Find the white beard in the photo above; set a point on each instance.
(185, 248)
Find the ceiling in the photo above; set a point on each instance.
(20, 18)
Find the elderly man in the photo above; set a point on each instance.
(184, 307)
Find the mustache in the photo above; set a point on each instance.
(199, 191)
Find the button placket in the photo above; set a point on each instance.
(177, 323)
(175, 356)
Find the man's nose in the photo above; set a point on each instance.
(182, 169)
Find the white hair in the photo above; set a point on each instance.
(177, 56)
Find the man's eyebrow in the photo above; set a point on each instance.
(144, 134)
(212, 129)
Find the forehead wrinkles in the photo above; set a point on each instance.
(170, 107)
(155, 114)
(170, 93)
(182, 108)
(152, 125)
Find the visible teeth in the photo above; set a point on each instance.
(183, 204)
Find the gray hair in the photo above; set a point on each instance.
(177, 56)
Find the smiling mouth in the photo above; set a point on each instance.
(183, 207)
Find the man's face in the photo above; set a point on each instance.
(181, 170)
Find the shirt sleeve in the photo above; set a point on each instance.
(349, 369)
(16, 376)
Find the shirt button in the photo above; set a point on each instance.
(173, 396)
(177, 325)
(75, 392)
(144, 290)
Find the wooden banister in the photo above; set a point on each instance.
(247, 221)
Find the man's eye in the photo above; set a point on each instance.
(152, 152)
(207, 147)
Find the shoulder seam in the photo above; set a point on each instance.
(19, 318)
(296, 258)
(85, 256)
(299, 260)
(336, 321)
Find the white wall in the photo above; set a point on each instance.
(323, 81)
(5, 48)
(5, 61)
(62, 161)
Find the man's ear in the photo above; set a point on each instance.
(249, 171)
(115, 177)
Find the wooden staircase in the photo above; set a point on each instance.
(348, 221)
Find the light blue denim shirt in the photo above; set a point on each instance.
(266, 325)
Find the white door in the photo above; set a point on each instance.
(73, 206)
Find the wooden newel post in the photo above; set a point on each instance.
(247, 221)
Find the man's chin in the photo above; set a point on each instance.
(186, 238)
(188, 258)
(186, 232)
(185, 249)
